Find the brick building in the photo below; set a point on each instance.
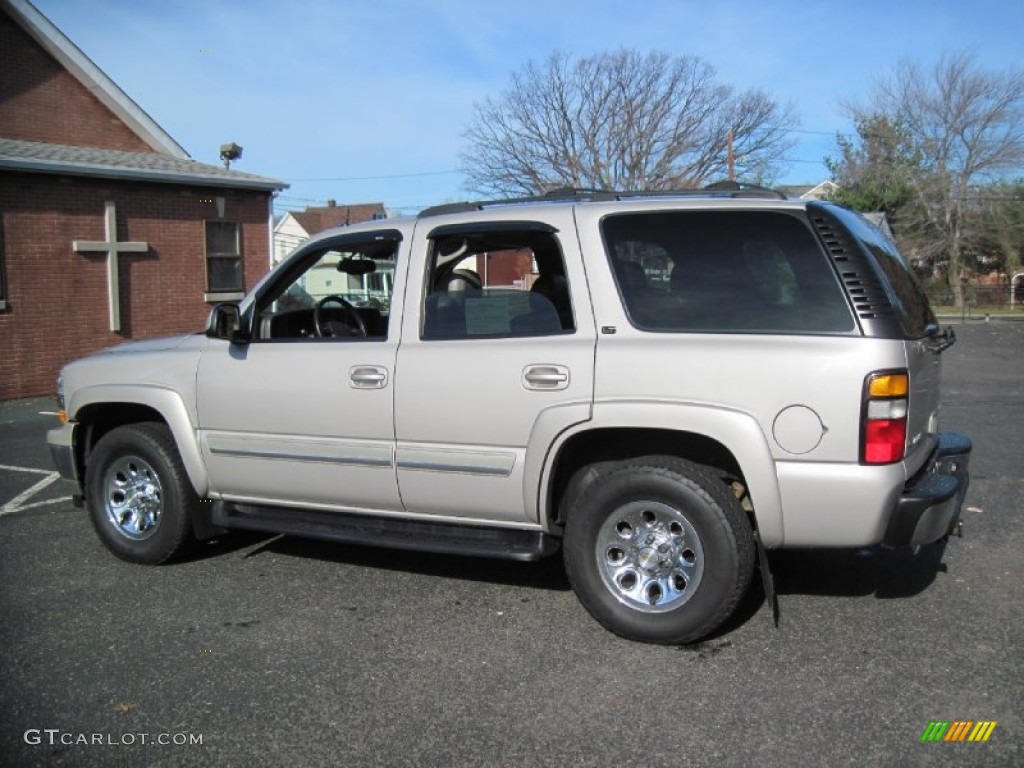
(109, 231)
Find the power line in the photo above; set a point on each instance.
(818, 133)
(386, 176)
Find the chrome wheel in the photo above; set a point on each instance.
(650, 556)
(132, 498)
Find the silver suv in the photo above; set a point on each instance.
(663, 385)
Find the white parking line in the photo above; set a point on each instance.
(17, 504)
(35, 504)
(26, 469)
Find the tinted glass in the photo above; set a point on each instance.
(905, 291)
(727, 271)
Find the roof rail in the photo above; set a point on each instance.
(580, 195)
(742, 189)
(562, 194)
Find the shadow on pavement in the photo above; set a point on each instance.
(884, 573)
(546, 574)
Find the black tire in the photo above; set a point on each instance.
(658, 550)
(138, 495)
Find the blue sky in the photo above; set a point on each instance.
(375, 94)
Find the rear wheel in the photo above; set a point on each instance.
(658, 549)
(138, 494)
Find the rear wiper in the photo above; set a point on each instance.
(940, 341)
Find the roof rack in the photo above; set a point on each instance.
(742, 189)
(580, 195)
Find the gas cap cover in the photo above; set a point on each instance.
(798, 429)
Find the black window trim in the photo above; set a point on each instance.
(490, 226)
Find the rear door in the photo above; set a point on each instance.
(497, 355)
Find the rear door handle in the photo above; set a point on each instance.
(367, 377)
(546, 377)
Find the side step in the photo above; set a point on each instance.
(417, 535)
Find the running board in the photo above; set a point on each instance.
(417, 535)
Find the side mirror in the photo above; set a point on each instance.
(226, 323)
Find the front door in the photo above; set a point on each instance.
(303, 414)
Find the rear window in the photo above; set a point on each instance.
(905, 292)
(724, 271)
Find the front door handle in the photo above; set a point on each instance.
(546, 377)
(367, 377)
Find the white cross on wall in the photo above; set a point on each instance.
(111, 247)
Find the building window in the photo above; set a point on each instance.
(223, 257)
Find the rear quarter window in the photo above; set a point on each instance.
(724, 271)
(905, 292)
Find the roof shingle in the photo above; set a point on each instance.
(38, 157)
(315, 220)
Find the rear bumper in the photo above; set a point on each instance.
(930, 504)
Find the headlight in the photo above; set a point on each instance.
(60, 392)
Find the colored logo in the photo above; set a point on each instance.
(958, 730)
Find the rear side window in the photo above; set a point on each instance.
(724, 271)
(493, 282)
(905, 292)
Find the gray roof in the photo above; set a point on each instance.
(37, 157)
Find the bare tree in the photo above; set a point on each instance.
(622, 121)
(966, 129)
(1003, 226)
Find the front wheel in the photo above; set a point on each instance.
(138, 494)
(658, 550)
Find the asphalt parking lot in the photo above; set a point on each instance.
(277, 651)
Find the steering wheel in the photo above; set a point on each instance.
(352, 318)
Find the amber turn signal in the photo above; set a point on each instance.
(889, 385)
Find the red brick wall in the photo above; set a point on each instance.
(504, 268)
(57, 306)
(41, 101)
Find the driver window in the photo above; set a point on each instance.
(335, 293)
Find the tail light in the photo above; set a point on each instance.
(884, 417)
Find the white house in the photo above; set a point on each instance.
(821, 191)
(297, 226)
